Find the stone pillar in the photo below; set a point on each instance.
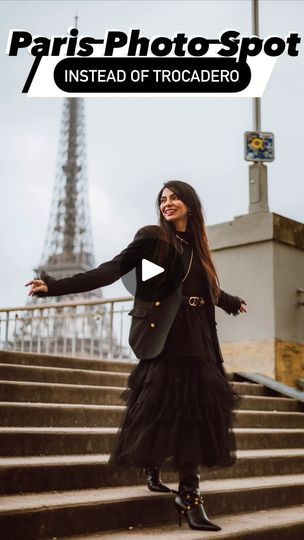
(260, 257)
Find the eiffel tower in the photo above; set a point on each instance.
(68, 249)
(68, 245)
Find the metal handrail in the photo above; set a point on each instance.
(68, 304)
(95, 326)
(274, 385)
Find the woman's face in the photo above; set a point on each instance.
(171, 207)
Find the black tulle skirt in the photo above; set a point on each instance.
(179, 409)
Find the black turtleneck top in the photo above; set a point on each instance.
(190, 334)
(195, 283)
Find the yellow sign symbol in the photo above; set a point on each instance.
(257, 143)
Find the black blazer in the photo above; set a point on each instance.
(151, 321)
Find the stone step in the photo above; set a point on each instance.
(122, 366)
(48, 515)
(31, 441)
(49, 360)
(110, 395)
(60, 393)
(67, 415)
(60, 415)
(285, 523)
(269, 419)
(249, 388)
(269, 403)
(70, 472)
(12, 372)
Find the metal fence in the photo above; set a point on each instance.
(92, 328)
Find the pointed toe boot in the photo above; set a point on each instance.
(154, 482)
(190, 505)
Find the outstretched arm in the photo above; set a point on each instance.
(231, 304)
(105, 274)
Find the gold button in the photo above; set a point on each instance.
(157, 303)
(152, 325)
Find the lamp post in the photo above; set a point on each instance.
(258, 189)
(256, 100)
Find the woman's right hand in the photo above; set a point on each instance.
(38, 285)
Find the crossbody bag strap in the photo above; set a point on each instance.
(190, 263)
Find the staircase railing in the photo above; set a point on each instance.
(90, 328)
(276, 386)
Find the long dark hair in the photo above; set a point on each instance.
(195, 225)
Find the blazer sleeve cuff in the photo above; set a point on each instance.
(229, 303)
(51, 284)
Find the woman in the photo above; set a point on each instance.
(180, 402)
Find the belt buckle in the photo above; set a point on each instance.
(192, 300)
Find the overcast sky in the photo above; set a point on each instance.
(134, 145)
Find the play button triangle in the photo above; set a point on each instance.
(149, 269)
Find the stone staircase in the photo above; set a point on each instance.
(58, 418)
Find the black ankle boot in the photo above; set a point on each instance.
(190, 504)
(153, 480)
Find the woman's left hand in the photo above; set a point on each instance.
(38, 285)
(242, 308)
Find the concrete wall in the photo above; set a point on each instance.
(288, 276)
(260, 257)
(247, 271)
